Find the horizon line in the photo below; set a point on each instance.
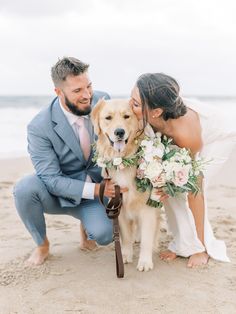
(120, 95)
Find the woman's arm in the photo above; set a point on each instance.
(197, 206)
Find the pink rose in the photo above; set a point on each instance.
(140, 174)
(181, 177)
(140, 161)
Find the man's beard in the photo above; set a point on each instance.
(78, 112)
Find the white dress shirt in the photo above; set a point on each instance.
(89, 187)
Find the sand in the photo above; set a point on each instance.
(74, 281)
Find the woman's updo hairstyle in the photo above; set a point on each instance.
(158, 90)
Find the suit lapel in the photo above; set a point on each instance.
(64, 130)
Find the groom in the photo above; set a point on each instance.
(66, 180)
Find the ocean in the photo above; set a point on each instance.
(17, 111)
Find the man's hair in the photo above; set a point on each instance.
(65, 67)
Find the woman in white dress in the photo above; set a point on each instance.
(155, 100)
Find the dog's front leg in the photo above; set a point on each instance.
(126, 238)
(148, 224)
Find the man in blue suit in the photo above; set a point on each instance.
(66, 182)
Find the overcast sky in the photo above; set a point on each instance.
(194, 41)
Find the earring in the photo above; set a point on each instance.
(154, 116)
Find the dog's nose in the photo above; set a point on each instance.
(119, 133)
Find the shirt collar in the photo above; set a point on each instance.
(71, 117)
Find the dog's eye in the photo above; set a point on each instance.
(108, 118)
(126, 116)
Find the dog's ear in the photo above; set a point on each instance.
(95, 115)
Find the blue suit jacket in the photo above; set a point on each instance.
(57, 156)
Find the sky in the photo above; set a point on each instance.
(193, 41)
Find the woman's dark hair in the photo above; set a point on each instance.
(158, 90)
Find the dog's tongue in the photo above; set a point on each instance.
(119, 146)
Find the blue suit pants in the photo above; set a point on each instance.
(33, 200)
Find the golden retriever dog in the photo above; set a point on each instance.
(117, 127)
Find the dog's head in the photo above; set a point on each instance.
(114, 123)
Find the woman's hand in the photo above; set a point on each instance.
(162, 195)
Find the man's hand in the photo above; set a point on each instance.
(109, 189)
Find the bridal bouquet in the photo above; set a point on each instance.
(161, 164)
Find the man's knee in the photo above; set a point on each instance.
(103, 236)
(25, 189)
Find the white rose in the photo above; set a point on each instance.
(117, 161)
(159, 150)
(101, 162)
(169, 168)
(153, 169)
(158, 134)
(143, 166)
(146, 143)
(148, 149)
(183, 155)
(149, 157)
(187, 159)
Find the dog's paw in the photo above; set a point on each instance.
(127, 258)
(127, 254)
(145, 265)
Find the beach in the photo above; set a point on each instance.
(158, 56)
(75, 281)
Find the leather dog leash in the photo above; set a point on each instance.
(113, 211)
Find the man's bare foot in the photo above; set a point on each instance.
(198, 259)
(39, 255)
(86, 244)
(167, 255)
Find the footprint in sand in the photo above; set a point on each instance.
(17, 273)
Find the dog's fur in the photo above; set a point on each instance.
(108, 116)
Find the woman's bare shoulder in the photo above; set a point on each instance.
(188, 135)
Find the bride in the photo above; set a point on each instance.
(155, 99)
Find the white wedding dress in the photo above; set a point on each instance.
(219, 139)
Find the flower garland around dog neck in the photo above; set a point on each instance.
(117, 163)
